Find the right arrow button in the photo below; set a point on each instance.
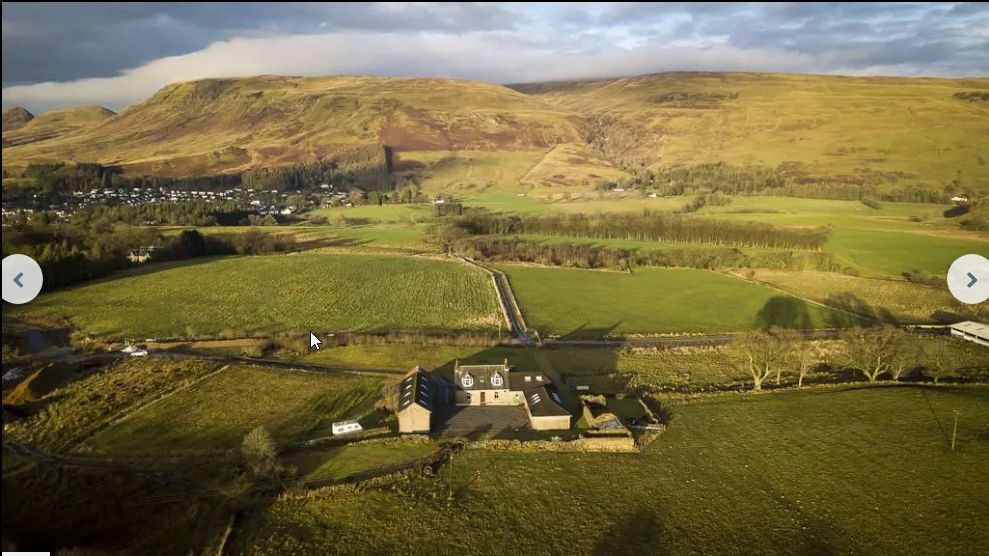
(966, 279)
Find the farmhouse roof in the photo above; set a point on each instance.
(416, 388)
(483, 377)
(527, 381)
(545, 401)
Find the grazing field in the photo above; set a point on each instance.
(335, 463)
(216, 413)
(649, 300)
(862, 471)
(878, 242)
(72, 412)
(571, 165)
(470, 171)
(377, 213)
(906, 302)
(502, 201)
(239, 296)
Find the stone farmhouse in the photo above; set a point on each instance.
(477, 385)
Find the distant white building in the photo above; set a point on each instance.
(959, 199)
(972, 331)
(346, 427)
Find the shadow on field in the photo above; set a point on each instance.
(640, 532)
(822, 539)
(854, 311)
(148, 268)
(785, 312)
(583, 332)
(319, 243)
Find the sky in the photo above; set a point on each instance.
(112, 54)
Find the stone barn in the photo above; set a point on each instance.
(415, 401)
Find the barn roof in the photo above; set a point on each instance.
(416, 388)
(545, 401)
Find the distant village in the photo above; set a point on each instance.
(262, 202)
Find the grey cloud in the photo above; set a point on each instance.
(65, 41)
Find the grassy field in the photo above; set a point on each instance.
(217, 413)
(281, 293)
(881, 242)
(405, 235)
(650, 300)
(407, 214)
(904, 301)
(337, 462)
(78, 409)
(472, 171)
(864, 471)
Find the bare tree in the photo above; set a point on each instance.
(907, 354)
(759, 352)
(803, 354)
(941, 362)
(872, 350)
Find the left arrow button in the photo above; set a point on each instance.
(22, 279)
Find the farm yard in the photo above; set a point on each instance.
(242, 296)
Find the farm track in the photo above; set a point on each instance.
(506, 299)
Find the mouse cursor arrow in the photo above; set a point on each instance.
(313, 341)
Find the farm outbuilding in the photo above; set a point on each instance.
(972, 331)
(415, 401)
(346, 427)
(545, 409)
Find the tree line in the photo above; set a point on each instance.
(875, 353)
(646, 225)
(198, 212)
(583, 255)
(70, 252)
(788, 180)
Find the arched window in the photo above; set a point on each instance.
(496, 380)
(467, 380)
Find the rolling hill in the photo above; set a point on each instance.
(896, 130)
(217, 125)
(15, 117)
(911, 130)
(53, 124)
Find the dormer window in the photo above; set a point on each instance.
(467, 380)
(496, 380)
